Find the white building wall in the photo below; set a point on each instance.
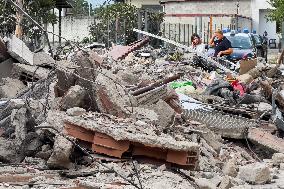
(260, 8)
(73, 28)
(208, 7)
(139, 4)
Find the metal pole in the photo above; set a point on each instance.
(59, 25)
(282, 41)
(139, 24)
(146, 21)
(237, 20)
(35, 22)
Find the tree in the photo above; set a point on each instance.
(80, 7)
(39, 10)
(276, 14)
(115, 23)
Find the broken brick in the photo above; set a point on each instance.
(79, 133)
(106, 145)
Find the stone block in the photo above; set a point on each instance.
(257, 173)
(8, 150)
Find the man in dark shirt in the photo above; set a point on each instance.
(221, 44)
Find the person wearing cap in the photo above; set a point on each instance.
(196, 44)
(221, 44)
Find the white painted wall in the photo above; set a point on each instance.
(73, 28)
(139, 4)
(208, 7)
(260, 8)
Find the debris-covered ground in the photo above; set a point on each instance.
(137, 117)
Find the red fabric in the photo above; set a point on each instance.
(237, 86)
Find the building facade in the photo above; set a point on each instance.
(206, 15)
(234, 14)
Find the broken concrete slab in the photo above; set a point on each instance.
(266, 139)
(18, 50)
(43, 59)
(28, 73)
(9, 87)
(19, 122)
(66, 77)
(6, 68)
(60, 157)
(257, 173)
(165, 114)
(179, 152)
(111, 97)
(8, 149)
(73, 98)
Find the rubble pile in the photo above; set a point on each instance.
(143, 118)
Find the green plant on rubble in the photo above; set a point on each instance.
(276, 14)
(176, 57)
(110, 17)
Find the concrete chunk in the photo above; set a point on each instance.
(111, 97)
(257, 173)
(74, 98)
(230, 168)
(19, 121)
(61, 152)
(165, 113)
(8, 150)
(278, 158)
(205, 184)
(42, 58)
(10, 87)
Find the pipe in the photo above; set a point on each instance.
(155, 85)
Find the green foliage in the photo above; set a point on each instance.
(119, 16)
(7, 17)
(39, 10)
(80, 7)
(277, 14)
(116, 23)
